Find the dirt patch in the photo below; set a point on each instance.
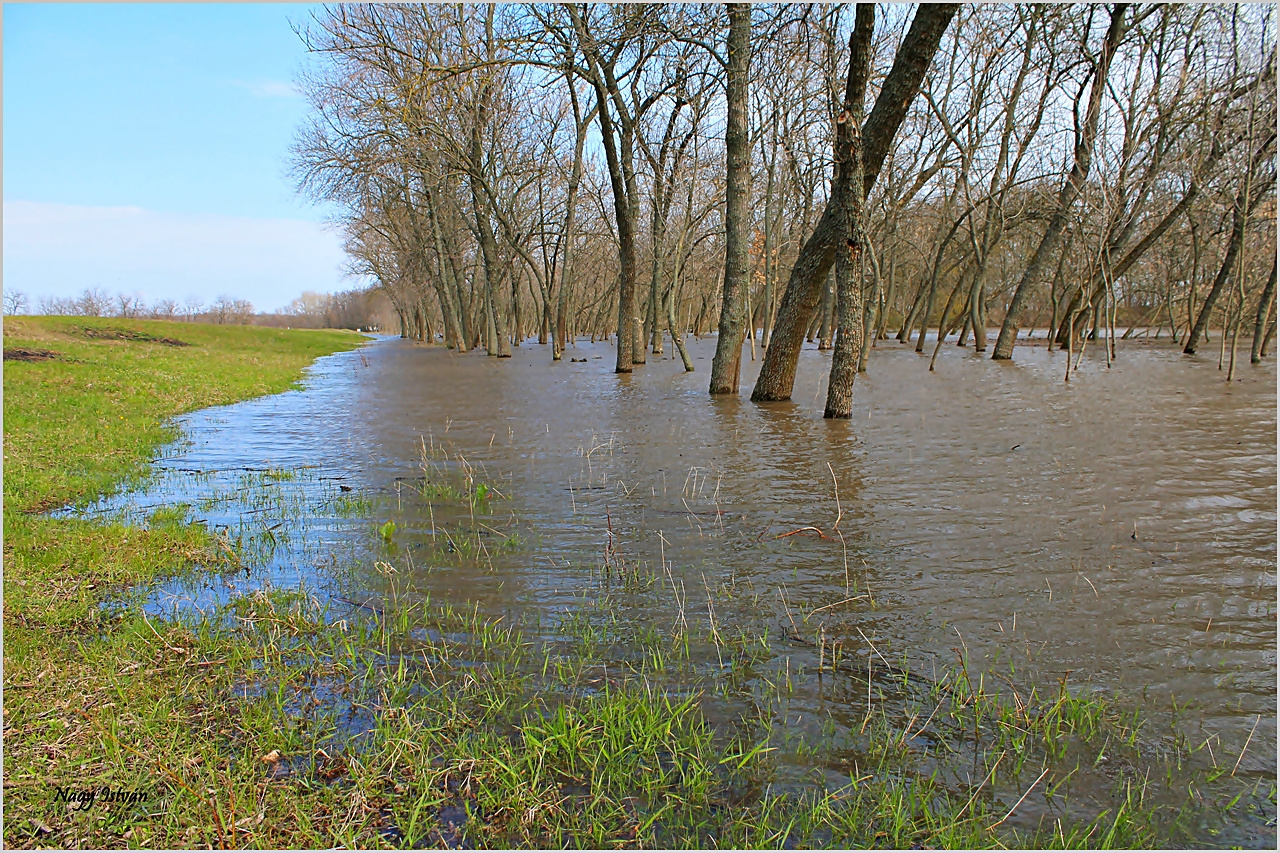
(25, 354)
(107, 333)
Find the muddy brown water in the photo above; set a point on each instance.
(1118, 531)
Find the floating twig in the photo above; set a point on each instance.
(821, 535)
(836, 604)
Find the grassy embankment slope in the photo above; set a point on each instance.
(78, 424)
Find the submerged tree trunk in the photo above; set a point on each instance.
(804, 286)
(497, 345)
(518, 317)
(871, 309)
(1264, 312)
(1224, 272)
(849, 325)
(490, 322)
(726, 365)
(618, 140)
(977, 317)
(1240, 211)
(446, 287)
(826, 321)
(569, 232)
(677, 336)
(909, 319)
(770, 234)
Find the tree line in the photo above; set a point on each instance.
(97, 302)
(361, 308)
(790, 173)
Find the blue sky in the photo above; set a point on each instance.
(146, 150)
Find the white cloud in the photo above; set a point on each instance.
(59, 250)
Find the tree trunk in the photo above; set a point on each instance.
(944, 328)
(890, 287)
(1052, 238)
(462, 302)
(677, 337)
(849, 326)
(498, 344)
(517, 333)
(726, 365)
(446, 287)
(1264, 312)
(977, 322)
(871, 309)
(827, 326)
(816, 323)
(770, 235)
(909, 319)
(804, 286)
(1224, 272)
(559, 338)
(492, 337)
(619, 157)
(570, 221)
(928, 302)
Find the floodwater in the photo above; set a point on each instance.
(1118, 531)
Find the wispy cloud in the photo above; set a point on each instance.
(59, 250)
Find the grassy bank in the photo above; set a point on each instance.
(86, 403)
(294, 718)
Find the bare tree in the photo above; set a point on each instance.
(777, 374)
(614, 64)
(229, 310)
(1087, 132)
(15, 301)
(129, 305)
(94, 302)
(726, 366)
(1081, 171)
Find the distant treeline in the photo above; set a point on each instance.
(352, 309)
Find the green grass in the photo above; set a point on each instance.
(76, 427)
(84, 423)
(307, 723)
